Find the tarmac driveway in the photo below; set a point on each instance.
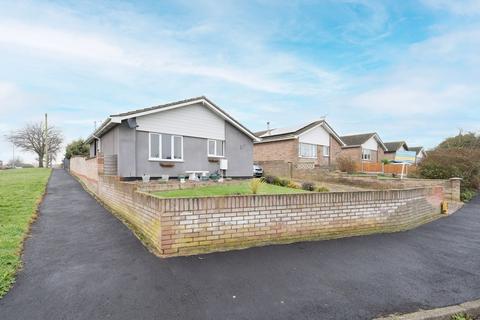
(82, 263)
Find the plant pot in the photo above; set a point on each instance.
(146, 178)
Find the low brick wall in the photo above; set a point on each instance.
(87, 169)
(283, 169)
(184, 226)
(451, 186)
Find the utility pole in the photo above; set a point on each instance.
(46, 142)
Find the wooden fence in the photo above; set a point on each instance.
(376, 167)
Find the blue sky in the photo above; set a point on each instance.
(409, 70)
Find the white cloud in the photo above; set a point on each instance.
(11, 98)
(279, 73)
(460, 7)
(440, 74)
(61, 42)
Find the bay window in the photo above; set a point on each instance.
(307, 150)
(165, 147)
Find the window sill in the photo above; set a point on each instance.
(307, 157)
(165, 160)
(216, 157)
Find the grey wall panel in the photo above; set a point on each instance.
(126, 160)
(239, 152)
(194, 158)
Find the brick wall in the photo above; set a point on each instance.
(354, 153)
(286, 150)
(87, 168)
(185, 226)
(335, 150)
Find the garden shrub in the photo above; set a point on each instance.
(323, 189)
(284, 182)
(308, 186)
(453, 162)
(385, 161)
(255, 185)
(467, 194)
(293, 185)
(346, 164)
(269, 179)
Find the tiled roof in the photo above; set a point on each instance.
(286, 131)
(395, 145)
(294, 131)
(357, 139)
(416, 149)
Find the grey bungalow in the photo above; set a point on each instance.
(174, 139)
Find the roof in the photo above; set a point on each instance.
(294, 131)
(416, 149)
(115, 119)
(356, 140)
(395, 145)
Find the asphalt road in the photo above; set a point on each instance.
(82, 263)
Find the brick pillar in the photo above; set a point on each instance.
(100, 164)
(455, 187)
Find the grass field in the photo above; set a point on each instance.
(20, 192)
(242, 188)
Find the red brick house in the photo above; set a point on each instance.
(365, 147)
(309, 145)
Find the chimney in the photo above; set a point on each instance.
(268, 127)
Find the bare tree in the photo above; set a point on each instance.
(32, 138)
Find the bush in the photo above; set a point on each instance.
(309, 186)
(453, 162)
(346, 164)
(77, 148)
(322, 189)
(284, 182)
(269, 179)
(385, 161)
(467, 194)
(293, 185)
(255, 185)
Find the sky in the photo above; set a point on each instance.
(409, 70)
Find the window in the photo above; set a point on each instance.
(366, 154)
(165, 147)
(326, 151)
(307, 150)
(216, 148)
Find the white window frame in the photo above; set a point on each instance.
(215, 155)
(327, 149)
(172, 147)
(309, 144)
(367, 152)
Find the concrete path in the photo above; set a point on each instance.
(82, 263)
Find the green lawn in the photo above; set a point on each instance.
(20, 192)
(241, 188)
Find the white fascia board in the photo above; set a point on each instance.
(377, 137)
(118, 119)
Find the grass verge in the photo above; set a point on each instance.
(21, 191)
(241, 188)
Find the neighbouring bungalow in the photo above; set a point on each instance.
(309, 145)
(174, 139)
(393, 147)
(420, 153)
(365, 147)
